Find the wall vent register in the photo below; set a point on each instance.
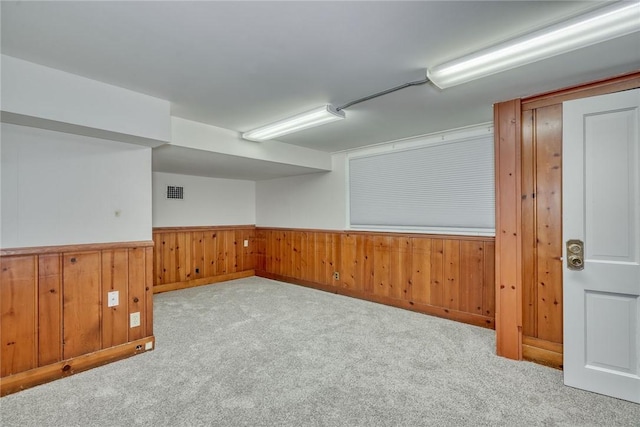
(174, 192)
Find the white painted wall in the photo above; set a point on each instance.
(306, 201)
(207, 201)
(201, 136)
(46, 94)
(59, 189)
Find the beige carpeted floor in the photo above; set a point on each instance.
(255, 352)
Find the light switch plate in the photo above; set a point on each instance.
(113, 298)
(246, 243)
(134, 319)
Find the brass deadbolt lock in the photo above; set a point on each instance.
(575, 255)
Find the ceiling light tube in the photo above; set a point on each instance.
(316, 117)
(595, 27)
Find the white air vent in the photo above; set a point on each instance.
(175, 192)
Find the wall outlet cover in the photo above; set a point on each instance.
(246, 243)
(113, 298)
(134, 319)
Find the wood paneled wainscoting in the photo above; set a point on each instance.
(54, 311)
(192, 256)
(529, 154)
(445, 276)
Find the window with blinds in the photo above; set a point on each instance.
(444, 187)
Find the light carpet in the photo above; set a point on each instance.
(255, 352)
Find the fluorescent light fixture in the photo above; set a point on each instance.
(316, 117)
(597, 26)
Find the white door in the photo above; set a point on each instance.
(601, 208)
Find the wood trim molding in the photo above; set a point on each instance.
(472, 319)
(203, 228)
(41, 375)
(381, 233)
(542, 352)
(202, 281)
(598, 87)
(40, 250)
(508, 260)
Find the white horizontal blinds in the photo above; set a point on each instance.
(446, 185)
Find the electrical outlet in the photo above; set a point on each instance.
(246, 243)
(134, 319)
(336, 275)
(148, 345)
(113, 298)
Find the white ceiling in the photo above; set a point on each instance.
(239, 65)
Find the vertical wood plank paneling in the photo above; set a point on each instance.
(115, 277)
(400, 268)
(222, 250)
(437, 273)
(240, 250)
(333, 258)
(210, 253)
(170, 261)
(137, 294)
(233, 248)
(158, 258)
(312, 265)
(381, 263)
(529, 287)
(361, 278)
(54, 303)
(180, 254)
(197, 253)
(451, 291)
(489, 290)
(261, 250)
(349, 262)
(82, 309)
(148, 318)
(296, 259)
(321, 258)
(49, 309)
(368, 271)
(18, 329)
(549, 219)
(425, 272)
(507, 116)
(305, 267)
(471, 276)
(421, 270)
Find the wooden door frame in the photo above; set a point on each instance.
(509, 260)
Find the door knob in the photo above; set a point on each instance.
(575, 254)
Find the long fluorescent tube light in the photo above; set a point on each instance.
(316, 117)
(595, 27)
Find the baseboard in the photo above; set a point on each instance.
(33, 377)
(202, 281)
(472, 319)
(543, 352)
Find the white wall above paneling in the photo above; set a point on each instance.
(47, 98)
(60, 189)
(207, 201)
(307, 201)
(208, 151)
